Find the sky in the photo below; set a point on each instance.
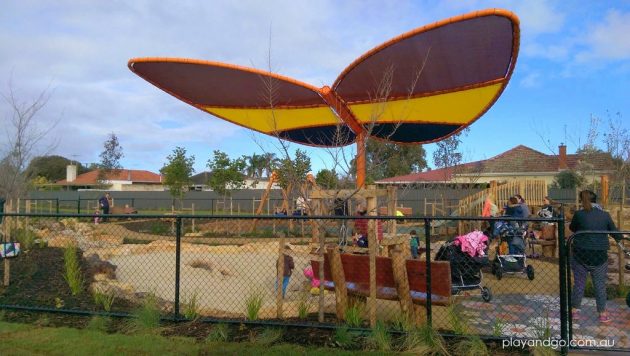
(574, 64)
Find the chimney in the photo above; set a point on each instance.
(562, 157)
(71, 173)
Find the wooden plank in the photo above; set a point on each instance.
(338, 277)
(347, 193)
(402, 282)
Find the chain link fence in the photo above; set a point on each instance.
(499, 278)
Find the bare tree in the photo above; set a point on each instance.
(24, 139)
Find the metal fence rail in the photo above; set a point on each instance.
(232, 268)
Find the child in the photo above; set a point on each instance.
(414, 243)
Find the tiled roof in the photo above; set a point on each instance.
(520, 159)
(135, 176)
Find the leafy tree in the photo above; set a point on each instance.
(256, 164)
(271, 162)
(447, 153)
(567, 179)
(110, 157)
(177, 172)
(226, 173)
(327, 179)
(53, 168)
(293, 171)
(385, 159)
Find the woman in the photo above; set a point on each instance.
(590, 253)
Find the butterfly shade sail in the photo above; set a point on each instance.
(419, 87)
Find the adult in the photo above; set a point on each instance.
(103, 203)
(590, 253)
(524, 208)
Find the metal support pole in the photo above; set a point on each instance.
(57, 206)
(178, 243)
(79, 205)
(564, 309)
(427, 244)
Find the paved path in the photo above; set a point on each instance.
(528, 316)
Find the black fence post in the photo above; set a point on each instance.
(133, 202)
(79, 205)
(178, 242)
(427, 242)
(211, 206)
(57, 206)
(564, 310)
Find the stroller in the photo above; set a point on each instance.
(515, 261)
(465, 269)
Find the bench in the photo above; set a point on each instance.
(357, 276)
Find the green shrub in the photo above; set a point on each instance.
(472, 346)
(146, 319)
(344, 337)
(354, 314)
(459, 324)
(379, 339)
(73, 274)
(403, 322)
(26, 238)
(424, 340)
(253, 304)
(219, 333)
(99, 323)
(269, 336)
(105, 299)
(158, 228)
(191, 307)
(497, 327)
(304, 304)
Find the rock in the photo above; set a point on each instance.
(62, 241)
(98, 266)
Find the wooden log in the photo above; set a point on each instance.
(320, 273)
(391, 208)
(402, 282)
(372, 247)
(341, 292)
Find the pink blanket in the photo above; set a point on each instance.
(473, 243)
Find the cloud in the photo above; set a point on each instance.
(608, 40)
(531, 80)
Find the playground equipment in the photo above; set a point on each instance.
(440, 78)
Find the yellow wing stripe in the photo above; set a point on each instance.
(459, 107)
(270, 121)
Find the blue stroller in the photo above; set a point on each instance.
(515, 261)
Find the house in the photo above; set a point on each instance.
(520, 162)
(120, 180)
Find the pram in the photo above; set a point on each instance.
(465, 269)
(515, 261)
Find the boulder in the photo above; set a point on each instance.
(98, 266)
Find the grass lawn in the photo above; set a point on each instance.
(25, 339)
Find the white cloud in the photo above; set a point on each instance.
(608, 40)
(531, 80)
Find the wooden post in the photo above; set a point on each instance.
(320, 273)
(193, 219)
(402, 282)
(391, 208)
(280, 277)
(604, 183)
(373, 248)
(339, 278)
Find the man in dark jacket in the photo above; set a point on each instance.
(103, 203)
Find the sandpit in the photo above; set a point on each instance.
(221, 277)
